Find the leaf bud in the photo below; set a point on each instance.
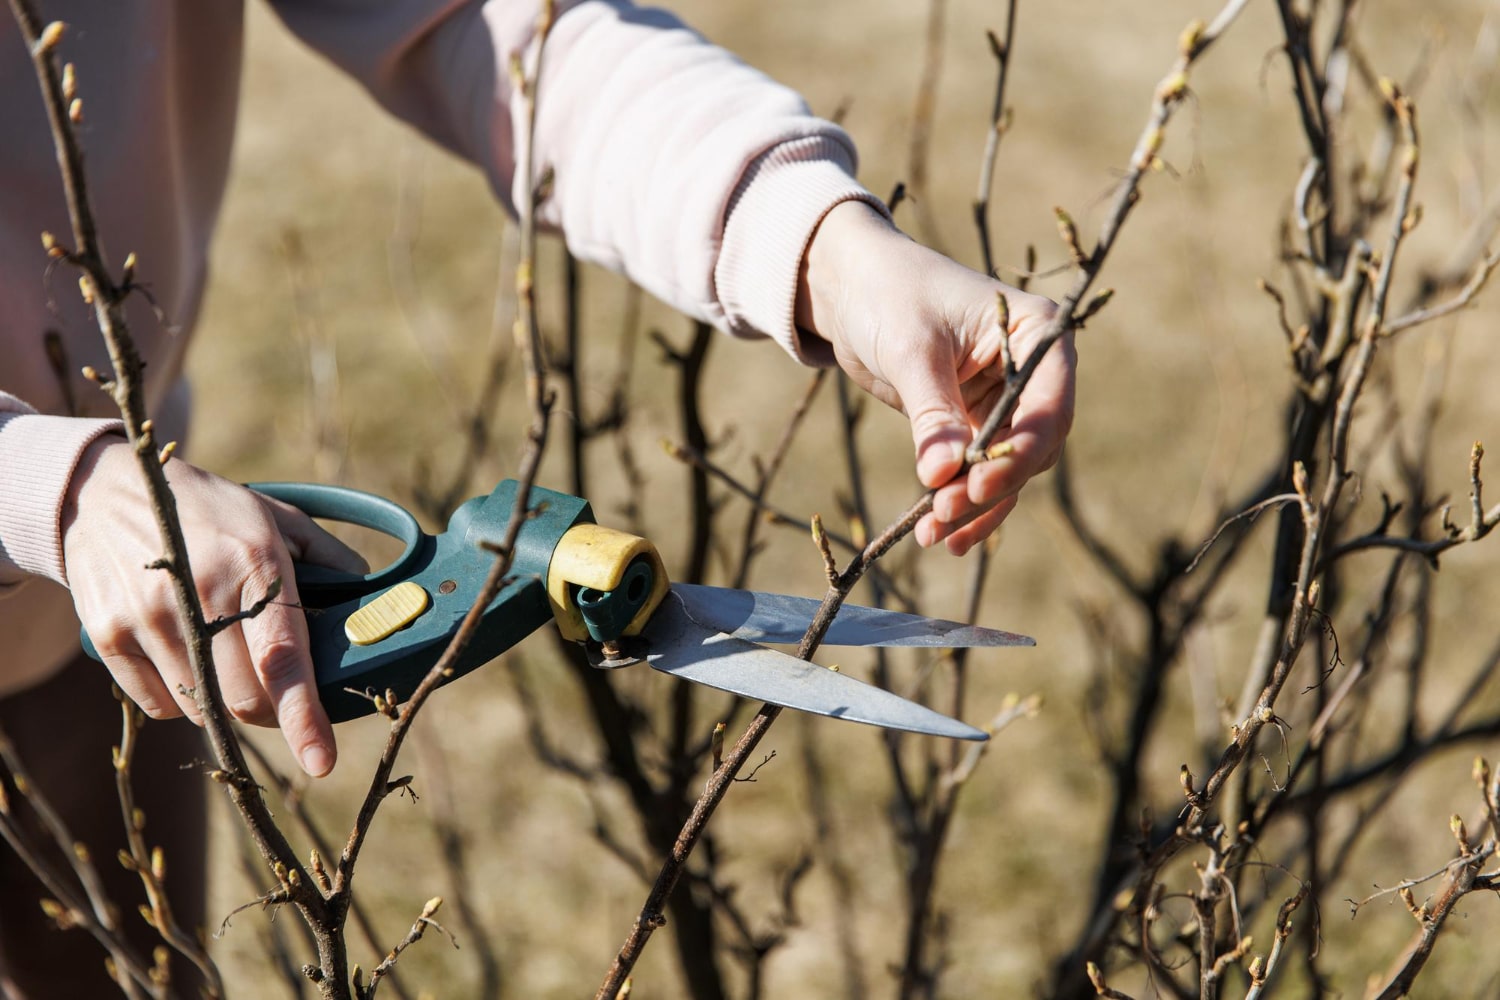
(1191, 38)
(48, 39)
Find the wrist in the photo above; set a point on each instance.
(100, 467)
(844, 235)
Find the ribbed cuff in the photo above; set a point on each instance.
(773, 213)
(37, 457)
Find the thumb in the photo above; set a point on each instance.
(930, 395)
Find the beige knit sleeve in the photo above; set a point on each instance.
(37, 456)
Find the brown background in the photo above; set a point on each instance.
(1182, 381)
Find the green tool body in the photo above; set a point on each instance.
(451, 568)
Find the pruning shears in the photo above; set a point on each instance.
(602, 587)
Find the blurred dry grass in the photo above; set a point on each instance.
(1181, 380)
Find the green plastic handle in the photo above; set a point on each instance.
(450, 567)
(318, 585)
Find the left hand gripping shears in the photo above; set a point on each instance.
(602, 587)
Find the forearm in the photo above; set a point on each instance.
(671, 161)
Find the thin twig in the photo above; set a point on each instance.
(93, 910)
(1002, 50)
(418, 928)
(151, 865)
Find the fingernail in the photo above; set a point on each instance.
(317, 760)
(938, 462)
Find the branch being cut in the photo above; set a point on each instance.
(1169, 95)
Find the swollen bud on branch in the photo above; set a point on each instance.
(1412, 220)
(1190, 42)
(63, 917)
(716, 743)
(1094, 305)
(315, 864)
(1172, 88)
(999, 450)
(1460, 832)
(48, 39)
(1069, 233)
(1002, 313)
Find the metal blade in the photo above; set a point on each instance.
(678, 645)
(760, 617)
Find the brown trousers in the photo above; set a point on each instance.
(63, 730)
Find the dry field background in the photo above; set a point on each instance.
(311, 364)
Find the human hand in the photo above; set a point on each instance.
(240, 543)
(921, 334)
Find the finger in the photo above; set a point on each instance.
(163, 649)
(951, 503)
(240, 685)
(142, 685)
(277, 644)
(951, 511)
(980, 527)
(1034, 441)
(928, 386)
(310, 542)
(926, 531)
